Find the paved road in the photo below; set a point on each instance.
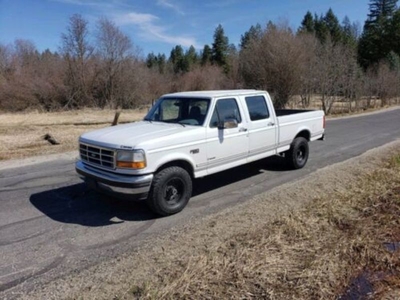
(50, 225)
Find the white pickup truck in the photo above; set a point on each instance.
(189, 135)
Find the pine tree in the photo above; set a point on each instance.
(380, 8)
(254, 33)
(191, 56)
(161, 62)
(376, 41)
(177, 59)
(321, 30)
(349, 35)
(151, 60)
(307, 25)
(394, 32)
(220, 47)
(332, 23)
(206, 55)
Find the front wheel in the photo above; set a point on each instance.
(170, 191)
(297, 155)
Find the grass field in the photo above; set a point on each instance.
(21, 135)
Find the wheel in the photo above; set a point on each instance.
(297, 155)
(170, 191)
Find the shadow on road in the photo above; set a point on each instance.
(77, 205)
(215, 181)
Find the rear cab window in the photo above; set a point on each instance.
(257, 107)
(225, 109)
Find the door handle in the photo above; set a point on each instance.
(271, 124)
(242, 129)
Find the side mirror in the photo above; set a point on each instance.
(228, 123)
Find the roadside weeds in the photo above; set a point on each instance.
(313, 238)
(311, 253)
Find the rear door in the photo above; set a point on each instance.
(262, 127)
(226, 148)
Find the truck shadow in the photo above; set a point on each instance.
(215, 181)
(76, 204)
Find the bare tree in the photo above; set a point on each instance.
(114, 48)
(274, 62)
(5, 61)
(335, 64)
(77, 52)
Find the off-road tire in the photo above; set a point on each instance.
(297, 156)
(170, 191)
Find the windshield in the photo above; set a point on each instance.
(185, 111)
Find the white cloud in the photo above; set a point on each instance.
(170, 5)
(136, 18)
(152, 31)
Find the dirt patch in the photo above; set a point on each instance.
(302, 240)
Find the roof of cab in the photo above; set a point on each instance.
(215, 93)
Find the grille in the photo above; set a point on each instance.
(97, 156)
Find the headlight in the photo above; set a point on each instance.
(131, 159)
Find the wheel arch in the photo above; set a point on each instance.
(184, 164)
(305, 133)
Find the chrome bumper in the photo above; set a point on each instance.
(134, 187)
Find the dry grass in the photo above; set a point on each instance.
(302, 240)
(312, 253)
(21, 135)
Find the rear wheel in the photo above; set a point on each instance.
(297, 155)
(170, 191)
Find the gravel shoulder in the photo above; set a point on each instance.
(119, 278)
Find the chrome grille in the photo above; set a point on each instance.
(97, 156)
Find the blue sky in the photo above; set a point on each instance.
(158, 25)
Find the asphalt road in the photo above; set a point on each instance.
(50, 225)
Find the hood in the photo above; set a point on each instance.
(130, 135)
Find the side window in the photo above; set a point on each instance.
(225, 109)
(257, 107)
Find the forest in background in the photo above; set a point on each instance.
(335, 60)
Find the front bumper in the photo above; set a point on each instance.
(131, 186)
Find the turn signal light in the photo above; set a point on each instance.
(131, 165)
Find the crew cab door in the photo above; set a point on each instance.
(262, 127)
(226, 147)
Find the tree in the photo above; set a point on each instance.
(5, 60)
(177, 59)
(350, 32)
(191, 58)
(379, 9)
(332, 23)
(255, 32)
(376, 41)
(321, 29)
(275, 62)
(307, 25)
(77, 52)
(151, 60)
(206, 55)
(114, 48)
(220, 48)
(394, 33)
